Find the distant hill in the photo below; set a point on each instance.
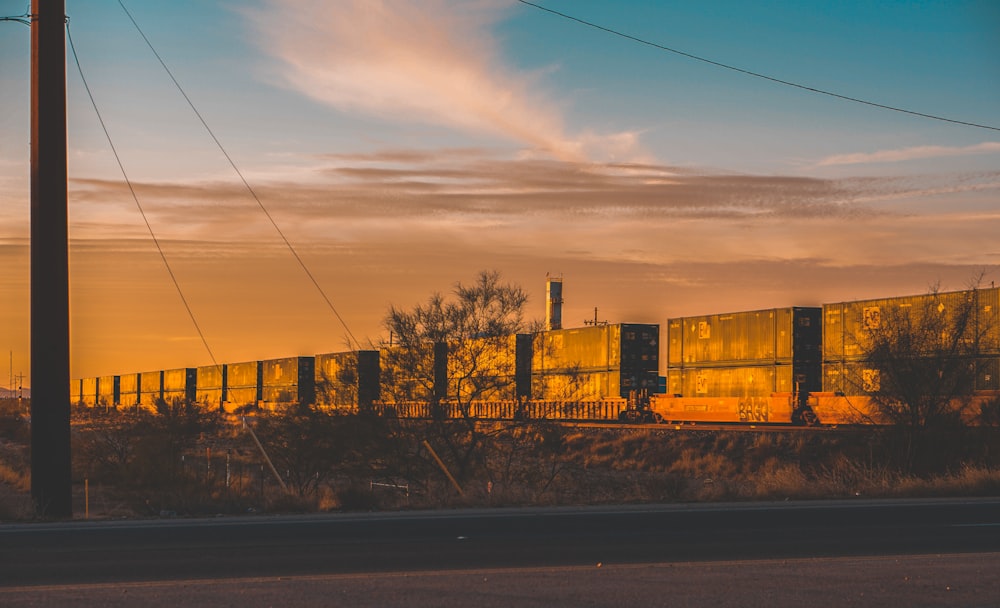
(6, 393)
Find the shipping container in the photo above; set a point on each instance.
(596, 362)
(128, 390)
(150, 389)
(988, 374)
(482, 369)
(75, 391)
(777, 335)
(288, 380)
(848, 325)
(408, 374)
(577, 386)
(851, 378)
(107, 391)
(88, 391)
(210, 383)
(180, 385)
(348, 380)
(742, 381)
(243, 383)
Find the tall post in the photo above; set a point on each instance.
(50, 431)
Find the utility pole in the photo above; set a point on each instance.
(51, 483)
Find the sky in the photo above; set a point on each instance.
(401, 147)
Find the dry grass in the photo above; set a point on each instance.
(548, 465)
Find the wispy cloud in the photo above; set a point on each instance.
(431, 61)
(905, 154)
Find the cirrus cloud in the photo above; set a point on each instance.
(432, 61)
(905, 154)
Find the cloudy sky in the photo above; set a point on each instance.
(401, 146)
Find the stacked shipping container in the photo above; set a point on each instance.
(847, 326)
(745, 354)
(597, 362)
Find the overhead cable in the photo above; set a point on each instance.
(752, 73)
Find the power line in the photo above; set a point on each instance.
(128, 182)
(752, 73)
(288, 244)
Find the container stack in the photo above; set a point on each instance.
(745, 354)
(848, 326)
(596, 362)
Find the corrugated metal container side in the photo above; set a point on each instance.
(847, 325)
(243, 383)
(349, 379)
(582, 386)
(745, 338)
(128, 389)
(833, 332)
(337, 379)
(675, 382)
(75, 391)
(731, 337)
(151, 389)
(580, 349)
(988, 374)
(851, 378)
(288, 380)
(741, 381)
(209, 383)
(243, 375)
(107, 394)
(398, 383)
(675, 342)
(483, 369)
(180, 385)
(88, 392)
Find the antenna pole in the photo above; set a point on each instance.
(51, 482)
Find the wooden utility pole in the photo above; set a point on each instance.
(50, 433)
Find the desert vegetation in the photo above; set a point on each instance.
(184, 461)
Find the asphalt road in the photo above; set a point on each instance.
(822, 554)
(82, 552)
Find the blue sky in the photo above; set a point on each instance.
(403, 146)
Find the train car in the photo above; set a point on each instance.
(107, 391)
(745, 354)
(243, 384)
(848, 327)
(128, 390)
(287, 380)
(210, 385)
(88, 392)
(75, 391)
(594, 363)
(179, 385)
(776, 408)
(485, 369)
(348, 380)
(150, 389)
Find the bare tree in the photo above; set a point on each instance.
(476, 327)
(919, 359)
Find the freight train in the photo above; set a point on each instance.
(793, 365)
